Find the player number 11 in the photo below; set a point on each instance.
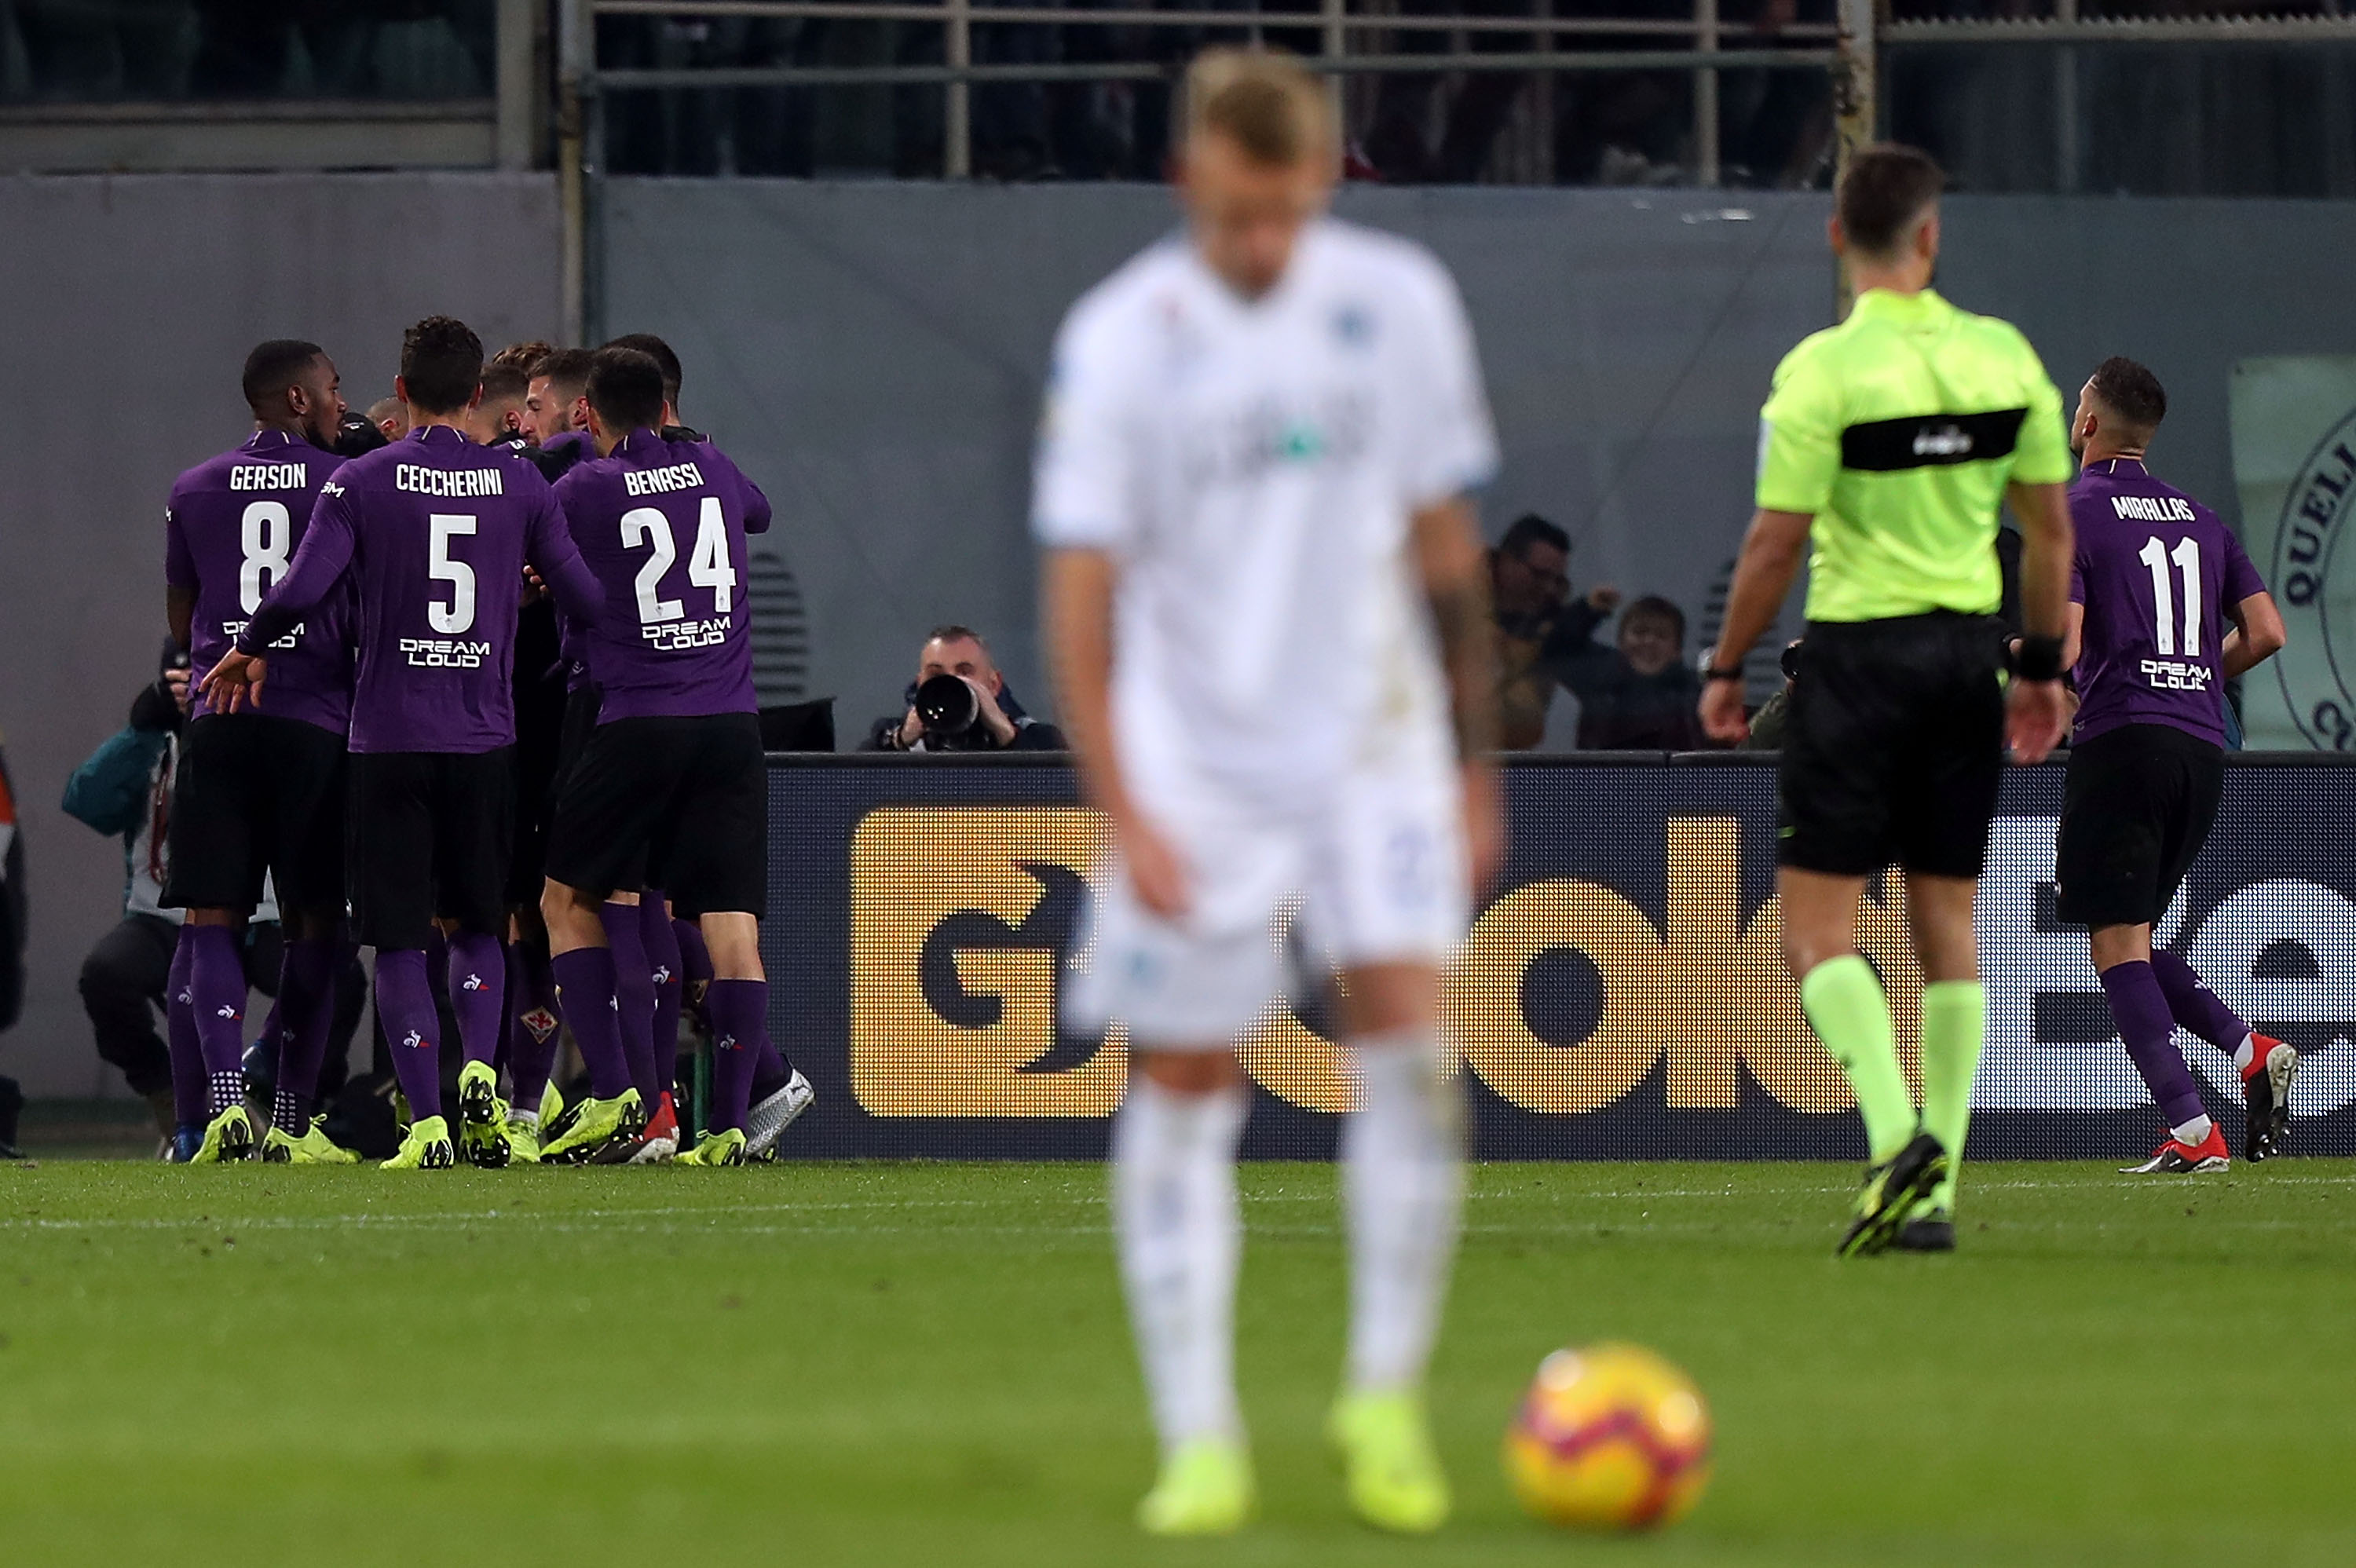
(2188, 559)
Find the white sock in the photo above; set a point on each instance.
(1181, 1234)
(2245, 1052)
(1403, 1178)
(2193, 1133)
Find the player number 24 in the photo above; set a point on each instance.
(2186, 556)
(708, 567)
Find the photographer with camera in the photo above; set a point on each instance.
(959, 703)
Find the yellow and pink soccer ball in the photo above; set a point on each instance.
(1609, 1438)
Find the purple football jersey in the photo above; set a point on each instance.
(435, 532)
(230, 532)
(2158, 575)
(662, 524)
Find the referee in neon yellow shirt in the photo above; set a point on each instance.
(1889, 445)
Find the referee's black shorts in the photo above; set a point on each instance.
(2138, 805)
(1895, 746)
(255, 794)
(428, 837)
(687, 796)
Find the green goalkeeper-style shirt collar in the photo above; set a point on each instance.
(1898, 431)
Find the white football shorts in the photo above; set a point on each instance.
(1376, 863)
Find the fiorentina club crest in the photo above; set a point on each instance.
(2307, 573)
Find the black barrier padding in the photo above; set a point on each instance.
(1630, 1004)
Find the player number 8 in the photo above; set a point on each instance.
(267, 532)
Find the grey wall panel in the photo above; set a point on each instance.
(2187, 285)
(874, 354)
(132, 302)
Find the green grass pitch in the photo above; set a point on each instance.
(927, 1364)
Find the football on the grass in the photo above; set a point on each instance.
(1609, 1438)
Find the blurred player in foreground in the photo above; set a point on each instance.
(2156, 579)
(1892, 440)
(1263, 584)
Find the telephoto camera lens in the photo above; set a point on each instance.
(947, 707)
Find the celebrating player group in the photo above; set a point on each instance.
(364, 631)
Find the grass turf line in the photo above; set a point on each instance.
(928, 1364)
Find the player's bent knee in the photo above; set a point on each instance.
(1381, 999)
(1188, 1072)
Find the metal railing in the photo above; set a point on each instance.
(1702, 44)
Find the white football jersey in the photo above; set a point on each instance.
(1252, 466)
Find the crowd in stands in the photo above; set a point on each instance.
(1637, 693)
(164, 50)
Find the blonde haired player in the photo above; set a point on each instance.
(1266, 591)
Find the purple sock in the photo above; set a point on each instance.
(217, 993)
(585, 987)
(2192, 1004)
(180, 1031)
(532, 1039)
(306, 1002)
(2144, 1022)
(404, 1000)
(740, 1025)
(479, 977)
(633, 996)
(655, 929)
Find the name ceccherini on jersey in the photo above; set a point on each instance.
(448, 484)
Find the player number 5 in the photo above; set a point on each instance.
(2156, 556)
(459, 614)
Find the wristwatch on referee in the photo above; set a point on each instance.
(1711, 672)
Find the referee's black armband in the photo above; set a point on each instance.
(2040, 659)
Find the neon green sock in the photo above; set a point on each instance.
(1954, 1021)
(1843, 1001)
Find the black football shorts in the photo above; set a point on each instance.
(1895, 746)
(684, 801)
(427, 837)
(2137, 808)
(255, 794)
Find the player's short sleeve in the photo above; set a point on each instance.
(2241, 579)
(1449, 442)
(1085, 484)
(2042, 455)
(757, 504)
(1799, 435)
(179, 560)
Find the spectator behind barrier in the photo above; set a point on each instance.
(1540, 628)
(125, 787)
(982, 717)
(1638, 696)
